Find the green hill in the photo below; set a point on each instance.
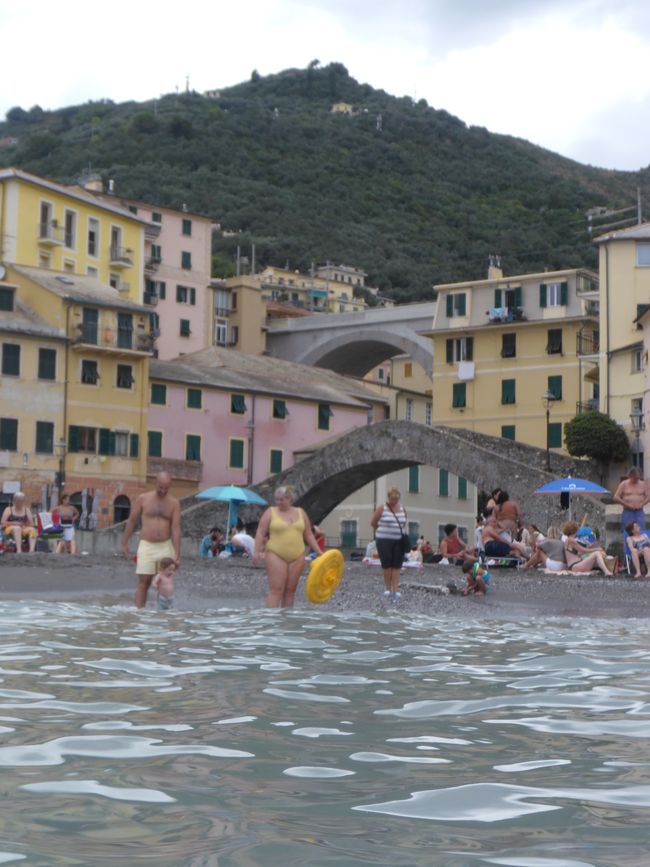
(407, 192)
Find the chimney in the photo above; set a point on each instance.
(111, 187)
(495, 271)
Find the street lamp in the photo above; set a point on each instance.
(636, 417)
(62, 446)
(548, 397)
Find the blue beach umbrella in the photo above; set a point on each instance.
(232, 495)
(572, 486)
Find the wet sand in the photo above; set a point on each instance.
(205, 585)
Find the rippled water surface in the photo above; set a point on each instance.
(285, 738)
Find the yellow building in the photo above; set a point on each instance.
(95, 397)
(624, 291)
(507, 348)
(47, 225)
(240, 315)
(325, 291)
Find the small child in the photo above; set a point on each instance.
(163, 582)
(478, 578)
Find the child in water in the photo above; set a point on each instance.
(478, 578)
(163, 582)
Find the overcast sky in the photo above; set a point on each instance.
(570, 75)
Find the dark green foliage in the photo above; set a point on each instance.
(595, 435)
(406, 192)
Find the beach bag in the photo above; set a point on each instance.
(406, 543)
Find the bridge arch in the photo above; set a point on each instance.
(356, 354)
(335, 471)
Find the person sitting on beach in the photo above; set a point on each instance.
(638, 545)
(508, 513)
(17, 523)
(548, 552)
(414, 555)
(453, 548)
(579, 558)
(491, 505)
(498, 542)
(211, 544)
(477, 578)
(163, 582)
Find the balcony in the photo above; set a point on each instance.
(150, 298)
(498, 315)
(152, 263)
(111, 341)
(587, 287)
(589, 406)
(587, 344)
(51, 234)
(188, 471)
(120, 257)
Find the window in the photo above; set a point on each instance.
(408, 370)
(121, 448)
(192, 447)
(11, 359)
(459, 395)
(185, 328)
(82, 439)
(93, 237)
(456, 304)
(460, 349)
(221, 332)
(637, 360)
(9, 434)
(194, 398)
(133, 210)
(414, 480)
(44, 437)
(156, 253)
(70, 232)
(349, 533)
(555, 386)
(161, 289)
(89, 322)
(124, 377)
(462, 534)
(509, 298)
(508, 346)
(508, 391)
(158, 394)
(280, 409)
(47, 363)
(428, 414)
(6, 299)
(237, 404)
(555, 435)
(324, 414)
(233, 301)
(91, 271)
(154, 443)
(275, 461)
(186, 260)
(380, 373)
(508, 431)
(89, 372)
(642, 254)
(413, 531)
(156, 217)
(443, 483)
(125, 330)
(554, 345)
(236, 454)
(553, 294)
(462, 488)
(185, 294)
(409, 409)
(187, 227)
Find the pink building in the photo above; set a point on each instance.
(225, 417)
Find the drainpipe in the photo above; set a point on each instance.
(251, 443)
(66, 368)
(607, 349)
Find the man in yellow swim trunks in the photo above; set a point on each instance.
(160, 535)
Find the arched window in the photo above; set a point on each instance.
(121, 508)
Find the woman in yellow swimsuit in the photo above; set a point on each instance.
(282, 534)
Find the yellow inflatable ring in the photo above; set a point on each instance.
(324, 576)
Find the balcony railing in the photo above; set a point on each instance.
(589, 406)
(120, 257)
(587, 344)
(506, 314)
(113, 340)
(586, 286)
(50, 233)
(150, 298)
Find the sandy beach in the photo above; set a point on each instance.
(204, 585)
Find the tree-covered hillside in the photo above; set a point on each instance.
(407, 192)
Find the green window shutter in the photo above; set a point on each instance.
(508, 391)
(162, 290)
(104, 441)
(443, 483)
(555, 386)
(73, 438)
(508, 431)
(186, 260)
(154, 444)
(542, 294)
(279, 409)
(192, 447)
(134, 445)
(187, 227)
(158, 393)
(324, 413)
(276, 461)
(9, 434)
(518, 296)
(450, 306)
(185, 328)
(237, 404)
(461, 304)
(11, 359)
(194, 398)
(47, 363)
(469, 349)
(414, 480)
(192, 295)
(180, 294)
(564, 294)
(462, 488)
(450, 350)
(459, 395)
(237, 454)
(111, 442)
(555, 435)
(497, 298)
(45, 437)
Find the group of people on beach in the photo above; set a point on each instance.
(20, 533)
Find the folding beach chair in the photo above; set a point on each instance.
(626, 550)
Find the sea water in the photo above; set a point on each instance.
(306, 738)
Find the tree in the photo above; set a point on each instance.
(595, 435)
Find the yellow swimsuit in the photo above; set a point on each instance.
(286, 540)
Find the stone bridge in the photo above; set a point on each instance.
(354, 343)
(334, 471)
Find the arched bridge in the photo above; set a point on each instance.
(354, 343)
(333, 472)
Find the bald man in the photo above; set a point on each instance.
(160, 534)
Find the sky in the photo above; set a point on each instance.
(569, 75)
